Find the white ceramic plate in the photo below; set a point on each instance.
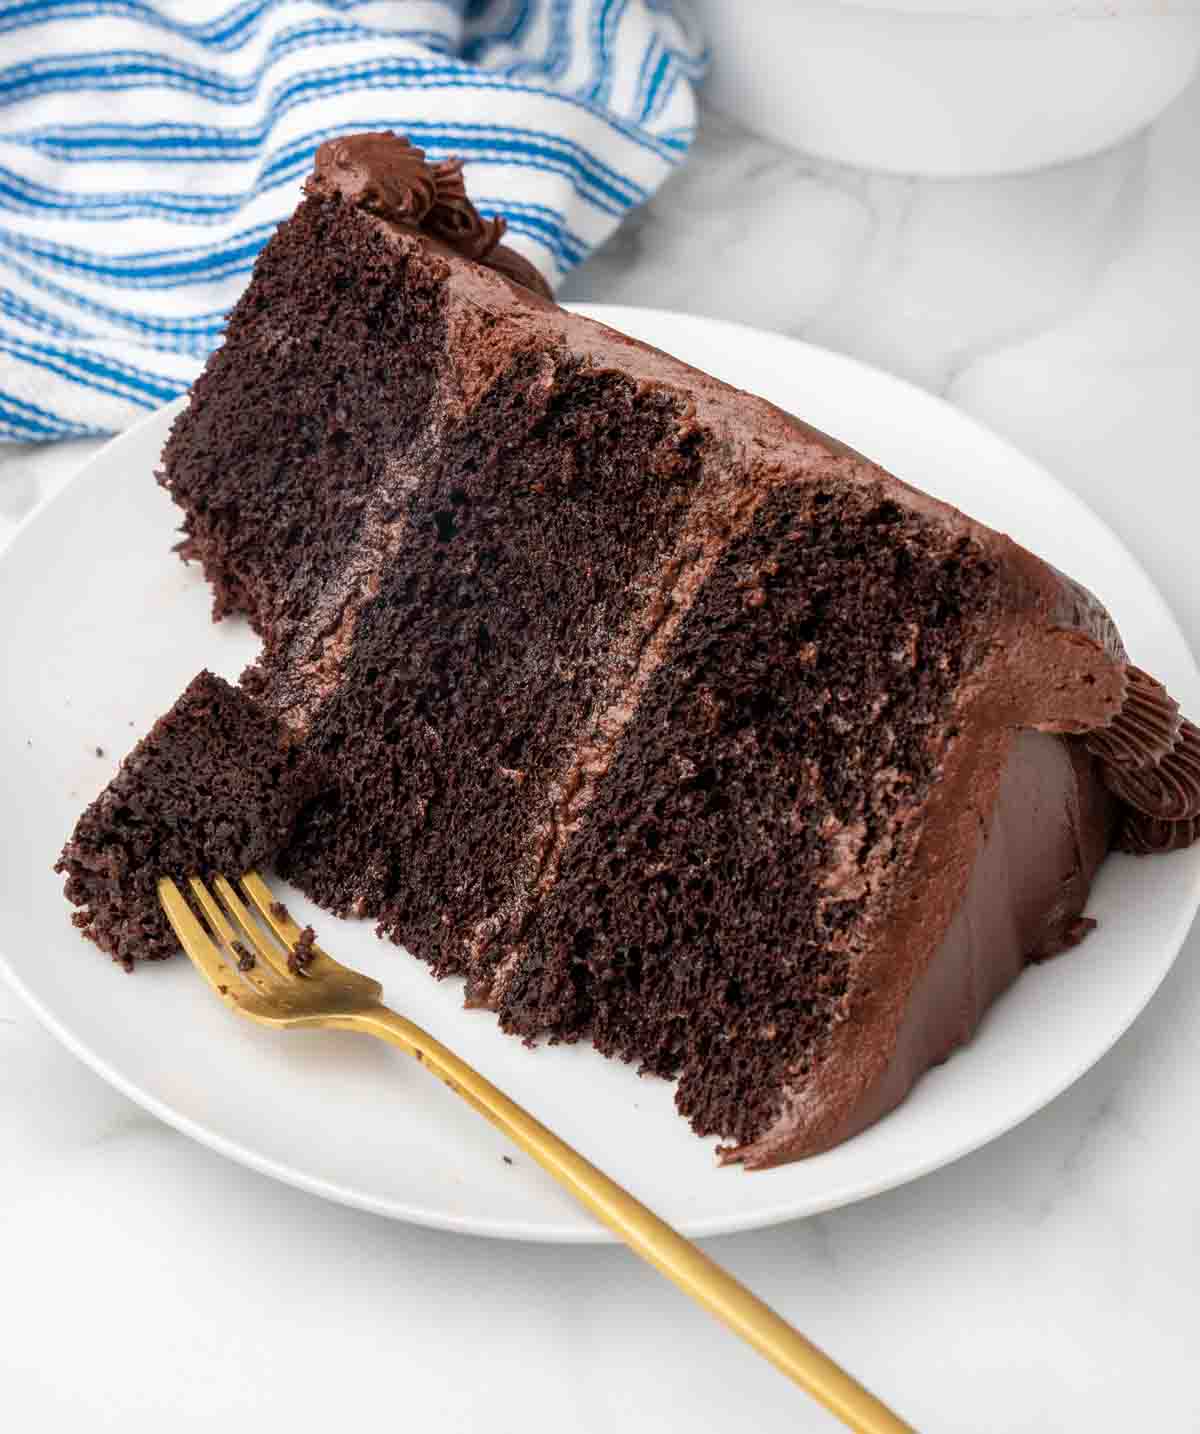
(102, 627)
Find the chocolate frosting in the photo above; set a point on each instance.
(1147, 836)
(383, 174)
(1169, 789)
(1022, 902)
(455, 220)
(380, 173)
(514, 266)
(1149, 756)
(1144, 731)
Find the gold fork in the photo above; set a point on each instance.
(277, 983)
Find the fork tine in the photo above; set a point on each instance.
(262, 975)
(283, 926)
(264, 947)
(216, 917)
(201, 950)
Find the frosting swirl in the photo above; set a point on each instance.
(1144, 731)
(380, 173)
(1169, 789)
(1150, 836)
(1149, 756)
(455, 220)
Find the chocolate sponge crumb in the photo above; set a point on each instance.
(246, 958)
(301, 954)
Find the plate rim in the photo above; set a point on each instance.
(733, 1221)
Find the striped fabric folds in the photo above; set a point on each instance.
(149, 148)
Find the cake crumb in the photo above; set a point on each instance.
(246, 958)
(279, 911)
(507, 1159)
(301, 955)
(99, 751)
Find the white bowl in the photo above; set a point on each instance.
(909, 86)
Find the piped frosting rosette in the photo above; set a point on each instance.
(1149, 754)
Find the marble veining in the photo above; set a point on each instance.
(1032, 1286)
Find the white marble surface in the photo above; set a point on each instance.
(1051, 1281)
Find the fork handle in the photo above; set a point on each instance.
(643, 1231)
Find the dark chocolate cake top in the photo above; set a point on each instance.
(382, 173)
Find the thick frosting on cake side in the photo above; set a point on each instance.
(1044, 837)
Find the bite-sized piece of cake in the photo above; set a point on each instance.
(213, 787)
(660, 717)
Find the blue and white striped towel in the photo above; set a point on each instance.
(148, 149)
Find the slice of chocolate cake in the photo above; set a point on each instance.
(661, 718)
(214, 786)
